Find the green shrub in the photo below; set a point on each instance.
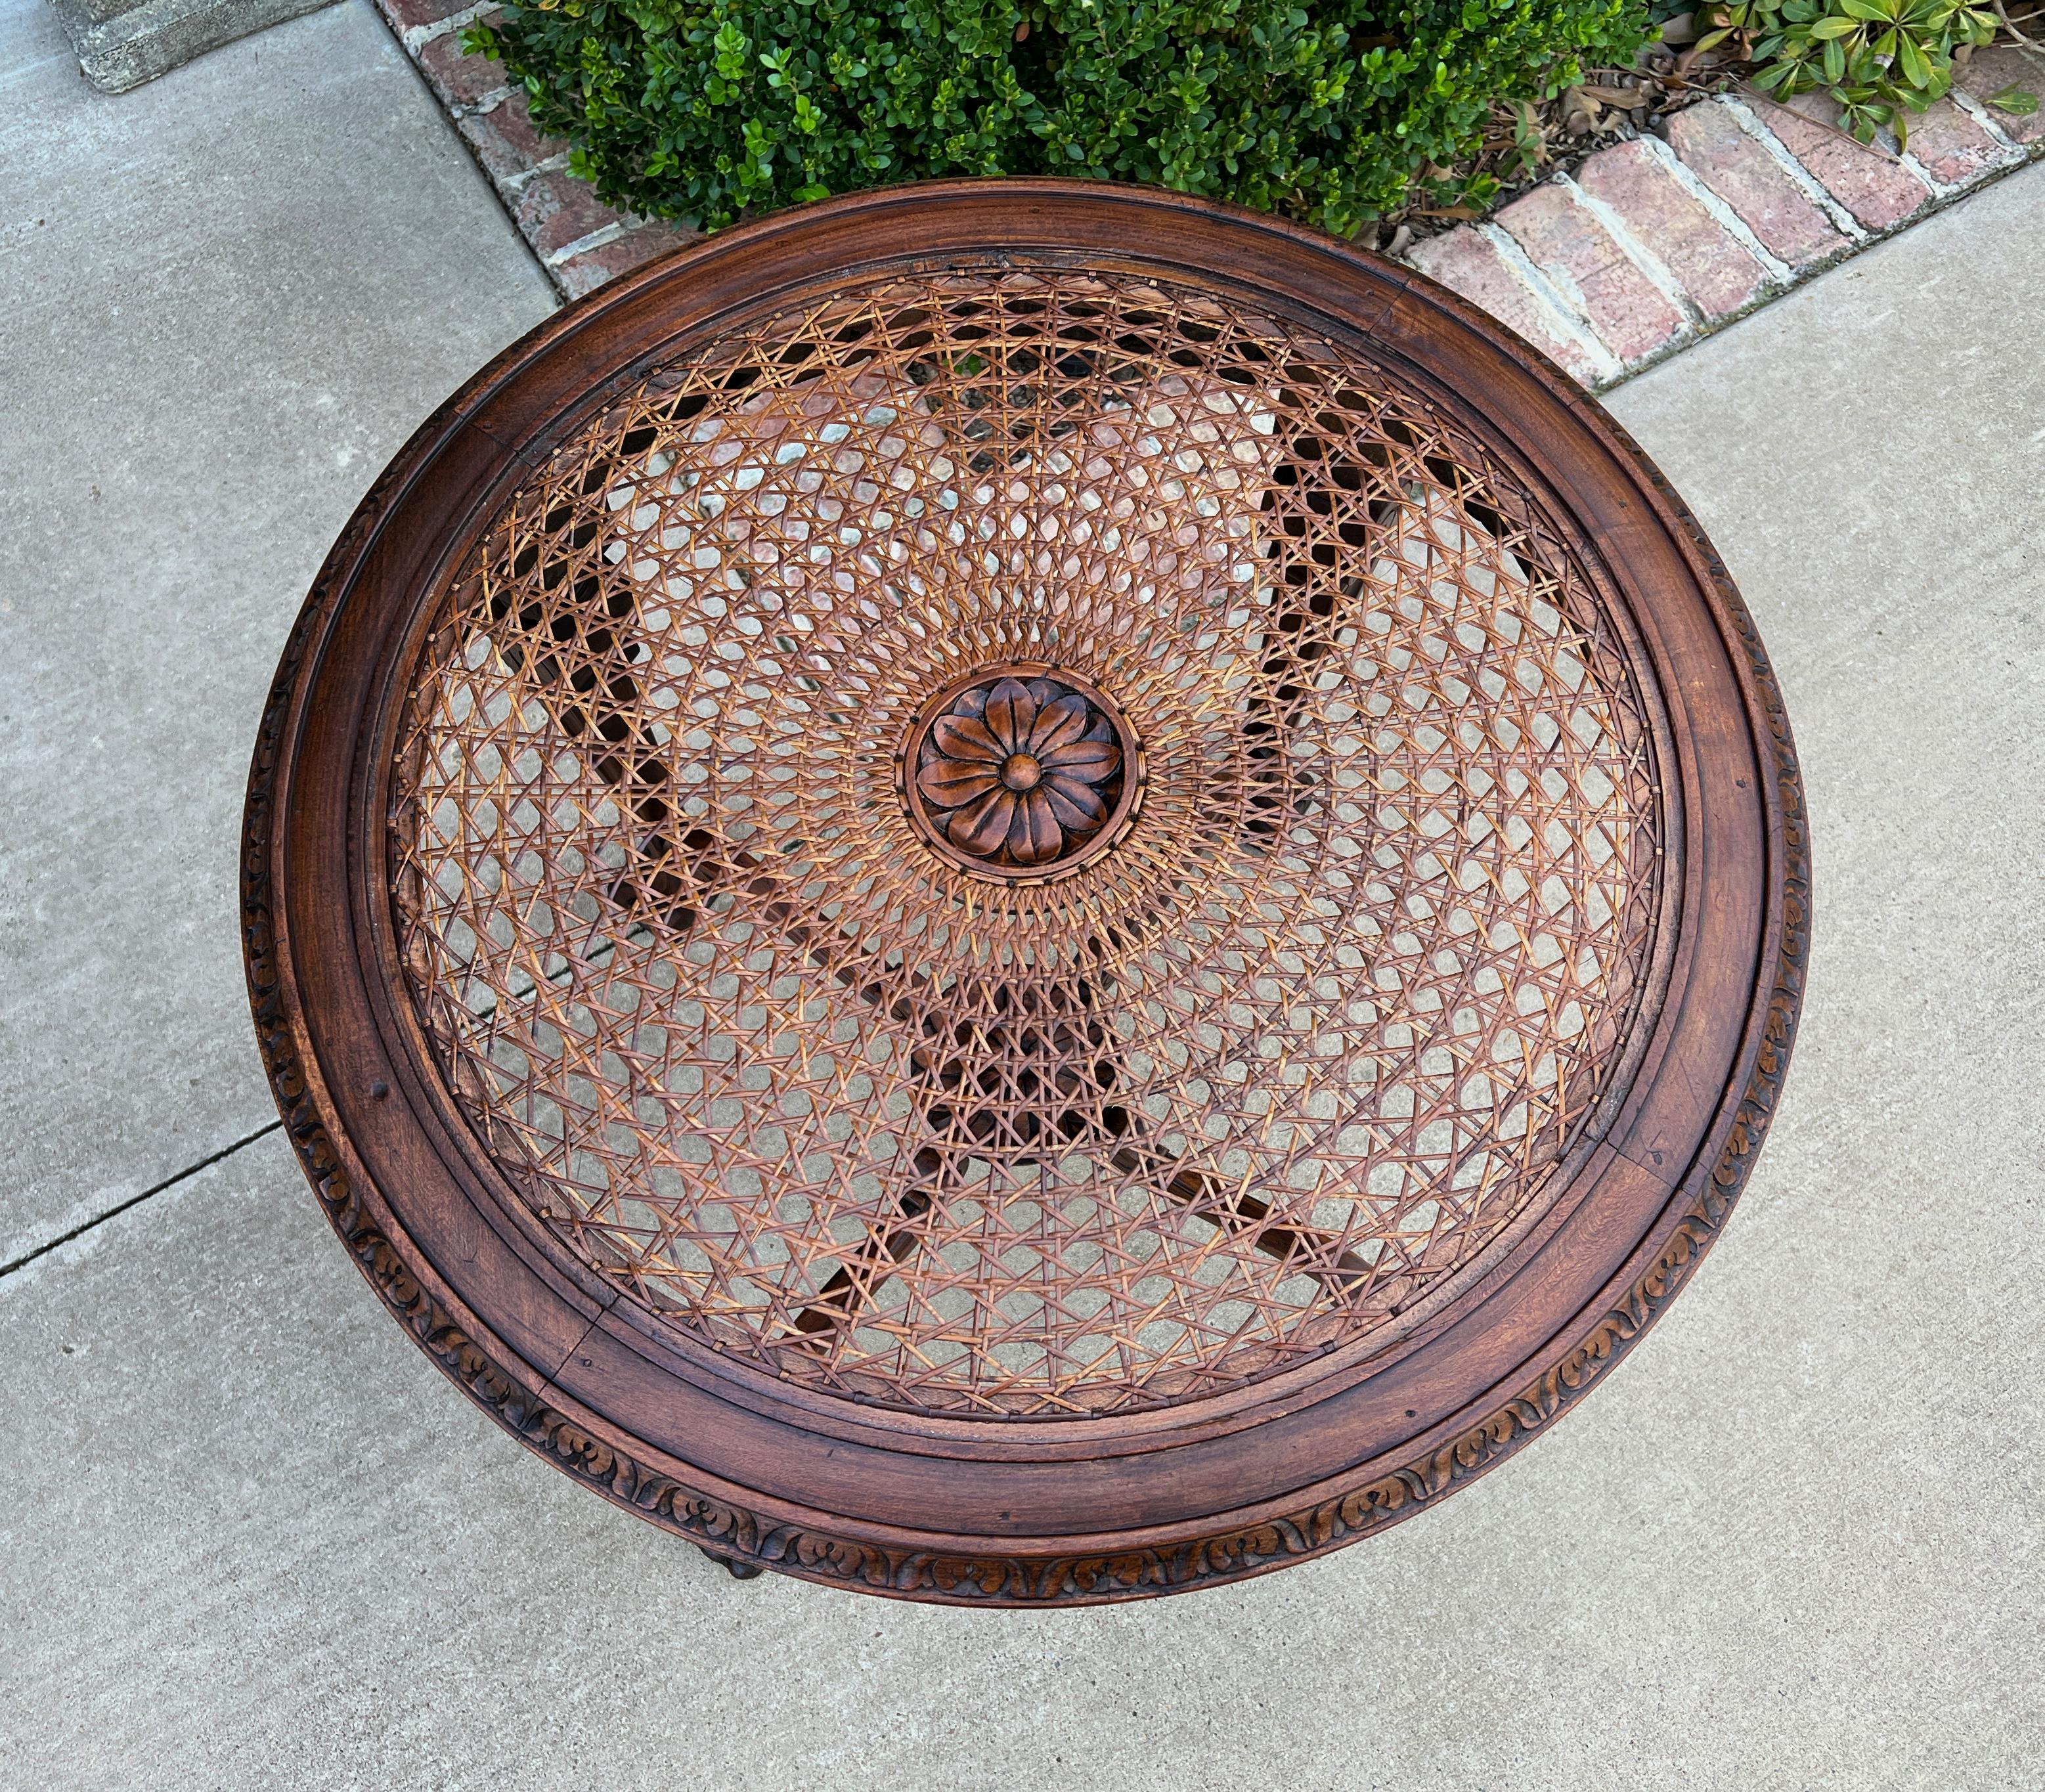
(1876, 59)
(708, 110)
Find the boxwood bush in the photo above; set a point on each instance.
(710, 110)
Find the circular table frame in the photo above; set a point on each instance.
(978, 1512)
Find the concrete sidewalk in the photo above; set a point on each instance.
(253, 1540)
(232, 295)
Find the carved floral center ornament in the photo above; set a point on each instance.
(1015, 773)
(1024, 893)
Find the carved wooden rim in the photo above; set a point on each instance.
(818, 1482)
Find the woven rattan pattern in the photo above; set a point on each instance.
(1277, 1074)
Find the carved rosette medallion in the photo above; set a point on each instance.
(1021, 772)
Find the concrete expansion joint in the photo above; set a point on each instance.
(133, 1200)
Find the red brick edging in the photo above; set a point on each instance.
(1655, 242)
(1649, 245)
(580, 241)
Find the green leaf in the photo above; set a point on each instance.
(2019, 102)
(1326, 114)
(1835, 28)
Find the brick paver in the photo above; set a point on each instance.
(1465, 261)
(459, 80)
(554, 210)
(1871, 184)
(585, 272)
(408, 15)
(1987, 72)
(1568, 243)
(1717, 274)
(1952, 148)
(505, 141)
(1735, 166)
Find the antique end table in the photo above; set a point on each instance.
(1024, 892)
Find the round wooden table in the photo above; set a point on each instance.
(1024, 893)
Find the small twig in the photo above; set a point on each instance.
(1753, 92)
(2026, 46)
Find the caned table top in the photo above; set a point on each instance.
(1024, 892)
